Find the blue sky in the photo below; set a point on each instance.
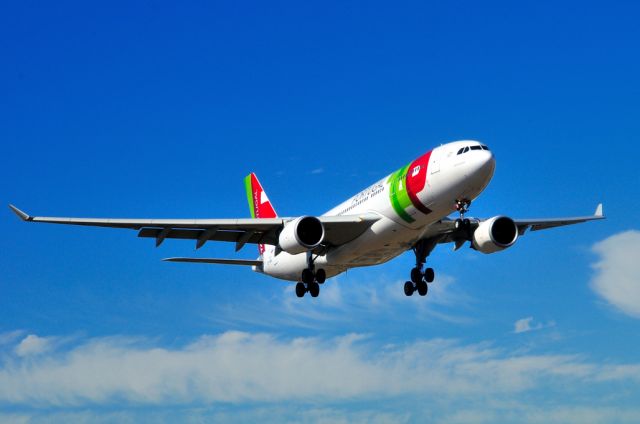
(154, 109)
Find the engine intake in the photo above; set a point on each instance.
(495, 234)
(301, 234)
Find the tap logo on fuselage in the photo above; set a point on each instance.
(404, 186)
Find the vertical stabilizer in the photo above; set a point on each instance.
(259, 204)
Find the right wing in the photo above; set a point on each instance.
(445, 231)
(338, 229)
(543, 224)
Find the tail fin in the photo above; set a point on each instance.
(259, 203)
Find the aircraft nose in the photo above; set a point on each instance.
(484, 165)
(489, 162)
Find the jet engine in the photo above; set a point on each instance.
(495, 234)
(301, 234)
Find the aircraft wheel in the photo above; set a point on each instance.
(314, 289)
(422, 288)
(321, 276)
(457, 224)
(300, 290)
(416, 275)
(408, 288)
(429, 275)
(307, 276)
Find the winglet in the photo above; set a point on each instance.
(22, 215)
(599, 212)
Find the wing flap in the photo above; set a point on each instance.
(231, 236)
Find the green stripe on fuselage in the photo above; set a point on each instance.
(398, 194)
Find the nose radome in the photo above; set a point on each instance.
(484, 164)
(488, 163)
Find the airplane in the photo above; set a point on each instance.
(406, 210)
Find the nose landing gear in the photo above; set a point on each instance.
(462, 206)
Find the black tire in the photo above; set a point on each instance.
(429, 275)
(408, 288)
(422, 288)
(457, 224)
(314, 289)
(300, 290)
(416, 275)
(307, 276)
(321, 276)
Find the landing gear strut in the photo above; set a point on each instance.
(462, 223)
(463, 206)
(310, 279)
(420, 278)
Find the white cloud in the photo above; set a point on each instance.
(525, 325)
(239, 367)
(527, 413)
(263, 414)
(617, 278)
(489, 412)
(317, 171)
(10, 336)
(34, 345)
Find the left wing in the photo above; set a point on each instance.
(338, 229)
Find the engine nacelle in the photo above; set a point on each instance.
(495, 234)
(301, 234)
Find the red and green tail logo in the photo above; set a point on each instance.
(259, 203)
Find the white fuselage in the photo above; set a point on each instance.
(407, 210)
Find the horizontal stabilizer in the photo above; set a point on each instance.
(246, 262)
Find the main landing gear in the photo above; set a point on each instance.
(420, 278)
(311, 279)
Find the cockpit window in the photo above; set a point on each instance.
(474, 147)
